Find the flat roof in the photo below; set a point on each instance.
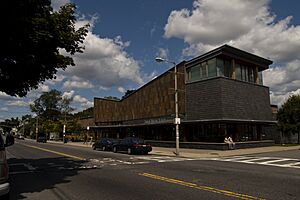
(234, 53)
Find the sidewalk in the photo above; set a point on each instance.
(200, 153)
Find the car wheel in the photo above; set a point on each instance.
(129, 151)
(103, 148)
(115, 149)
(146, 152)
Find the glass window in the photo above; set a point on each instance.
(238, 72)
(220, 67)
(246, 74)
(194, 73)
(203, 70)
(212, 70)
(260, 78)
(251, 74)
(227, 68)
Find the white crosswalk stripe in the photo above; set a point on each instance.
(270, 161)
(162, 159)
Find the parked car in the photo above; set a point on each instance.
(132, 145)
(105, 144)
(42, 139)
(4, 185)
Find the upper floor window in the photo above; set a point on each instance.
(223, 67)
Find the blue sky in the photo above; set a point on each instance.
(126, 36)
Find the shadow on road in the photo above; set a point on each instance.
(36, 175)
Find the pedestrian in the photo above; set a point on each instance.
(232, 144)
(85, 139)
(227, 142)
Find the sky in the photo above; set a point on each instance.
(125, 37)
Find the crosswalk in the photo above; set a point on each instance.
(269, 161)
(96, 163)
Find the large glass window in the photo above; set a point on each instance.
(238, 72)
(203, 70)
(227, 68)
(220, 67)
(194, 73)
(251, 74)
(260, 78)
(212, 70)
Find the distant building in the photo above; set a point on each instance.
(220, 93)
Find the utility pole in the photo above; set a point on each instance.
(37, 127)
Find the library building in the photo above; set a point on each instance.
(220, 93)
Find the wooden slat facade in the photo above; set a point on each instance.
(153, 100)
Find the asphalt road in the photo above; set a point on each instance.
(53, 171)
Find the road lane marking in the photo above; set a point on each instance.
(268, 161)
(56, 152)
(201, 187)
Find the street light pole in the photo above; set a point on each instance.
(177, 119)
(37, 128)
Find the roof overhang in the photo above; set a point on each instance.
(235, 53)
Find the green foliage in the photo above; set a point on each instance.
(32, 38)
(51, 105)
(8, 124)
(127, 93)
(85, 113)
(289, 115)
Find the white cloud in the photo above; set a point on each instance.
(56, 4)
(79, 99)
(121, 89)
(59, 78)
(163, 53)
(72, 84)
(3, 109)
(68, 94)
(4, 96)
(84, 103)
(17, 103)
(245, 24)
(105, 62)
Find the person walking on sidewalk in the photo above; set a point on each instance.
(85, 139)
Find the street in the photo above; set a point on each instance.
(56, 171)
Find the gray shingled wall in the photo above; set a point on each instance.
(222, 98)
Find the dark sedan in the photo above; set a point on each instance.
(105, 144)
(42, 139)
(132, 145)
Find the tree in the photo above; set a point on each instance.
(33, 36)
(127, 93)
(51, 105)
(87, 113)
(289, 116)
(47, 105)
